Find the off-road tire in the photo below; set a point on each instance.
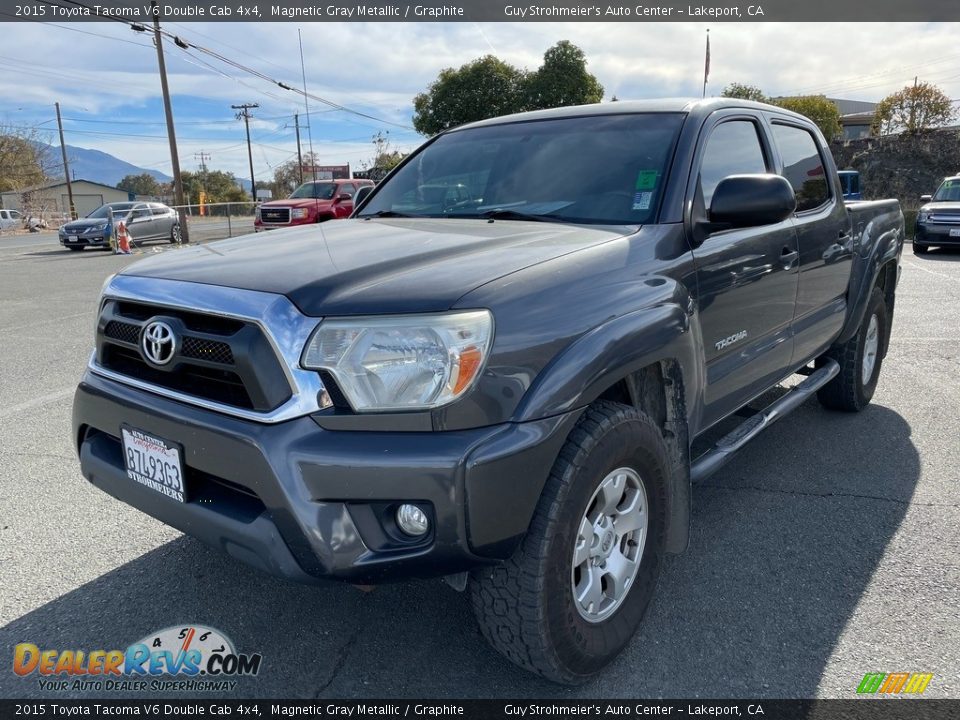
(525, 606)
(847, 391)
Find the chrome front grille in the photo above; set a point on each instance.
(242, 358)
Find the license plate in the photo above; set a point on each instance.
(154, 463)
(72, 238)
(954, 232)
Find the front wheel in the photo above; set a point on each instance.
(569, 600)
(176, 235)
(920, 249)
(859, 358)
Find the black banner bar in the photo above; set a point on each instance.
(712, 11)
(861, 709)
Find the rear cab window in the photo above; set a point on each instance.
(803, 165)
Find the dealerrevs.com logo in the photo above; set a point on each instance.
(178, 658)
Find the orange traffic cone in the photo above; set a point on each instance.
(123, 239)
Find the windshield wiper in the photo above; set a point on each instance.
(385, 214)
(517, 215)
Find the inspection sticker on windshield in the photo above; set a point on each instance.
(647, 179)
(641, 200)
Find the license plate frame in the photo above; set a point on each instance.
(140, 448)
(72, 238)
(954, 232)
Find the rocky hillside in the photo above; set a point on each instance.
(902, 166)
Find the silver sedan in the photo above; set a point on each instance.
(144, 220)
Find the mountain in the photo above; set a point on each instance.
(101, 167)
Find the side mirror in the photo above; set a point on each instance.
(362, 194)
(742, 201)
(344, 196)
(926, 198)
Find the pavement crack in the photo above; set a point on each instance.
(341, 655)
(857, 496)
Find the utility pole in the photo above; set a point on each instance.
(913, 103)
(66, 167)
(202, 157)
(171, 134)
(296, 124)
(245, 114)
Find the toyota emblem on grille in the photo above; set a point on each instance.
(159, 343)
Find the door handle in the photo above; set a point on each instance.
(788, 257)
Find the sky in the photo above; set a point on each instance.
(105, 76)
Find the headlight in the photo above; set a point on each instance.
(299, 213)
(403, 362)
(103, 227)
(923, 216)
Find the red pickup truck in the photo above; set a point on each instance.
(312, 202)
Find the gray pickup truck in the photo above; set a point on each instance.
(499, 385)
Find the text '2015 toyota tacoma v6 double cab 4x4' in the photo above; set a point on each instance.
(502, 389)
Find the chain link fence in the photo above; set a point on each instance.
(216, 221)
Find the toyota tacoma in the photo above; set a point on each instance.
(501, 389)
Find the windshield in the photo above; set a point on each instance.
(949, 191)
(315, 190)
(102, 212)
(606, 169)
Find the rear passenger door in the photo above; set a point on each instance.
(823, 233)
(746, 277)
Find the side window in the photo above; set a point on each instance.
(803, 166)
(157, 210)
(733, 149)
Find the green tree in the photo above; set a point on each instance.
(744, 92)
(562, 79)
(24, 160)
(142, 184)
(484, 88)
(817, 108)
(489, 87)
(915, 108)
(218, 185)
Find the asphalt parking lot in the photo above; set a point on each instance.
(827, 550)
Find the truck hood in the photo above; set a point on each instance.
(951, 208)
(356, 267)
(297, 203)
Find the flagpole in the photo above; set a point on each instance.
(706, 65)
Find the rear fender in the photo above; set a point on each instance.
(880, 242)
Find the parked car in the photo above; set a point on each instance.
(10, 220)
(144, 220)
(850, 183)
(938, 221)
(312, 202)
(504, 392)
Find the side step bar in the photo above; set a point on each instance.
(728, 446)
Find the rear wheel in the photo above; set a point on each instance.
(920, 249)
(860, 359)
(569, 600)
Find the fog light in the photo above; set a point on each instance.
(412, 520)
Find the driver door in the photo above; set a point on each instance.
(746, 277)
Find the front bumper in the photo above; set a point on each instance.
(936, 234)
(305, 503)
(84, 241)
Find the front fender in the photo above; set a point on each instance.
(609, 353)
